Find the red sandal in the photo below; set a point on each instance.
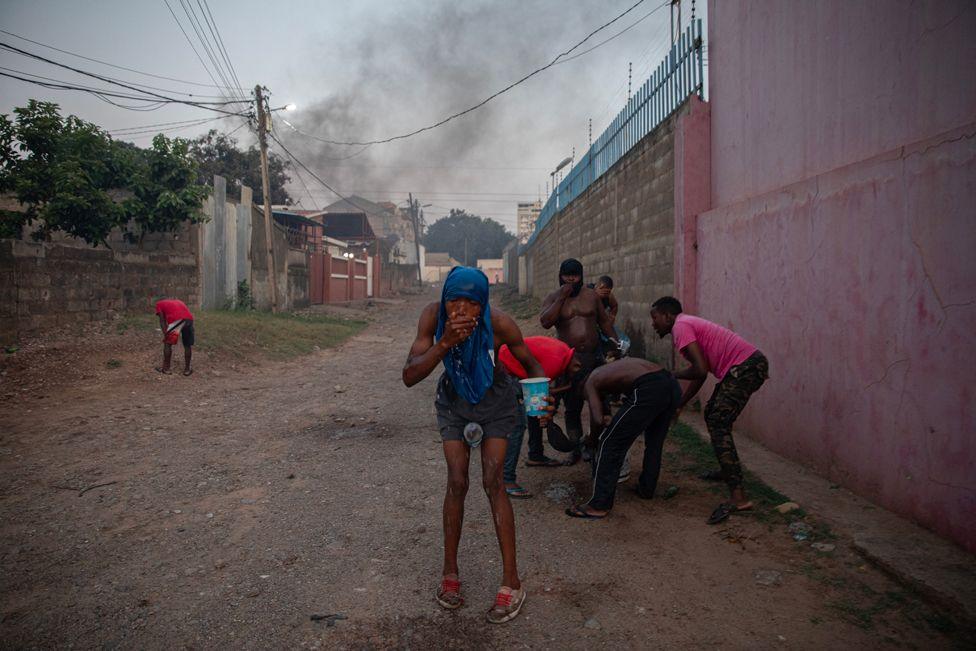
(507, 605)
(449, 594)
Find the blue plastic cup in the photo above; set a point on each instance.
(534, 392)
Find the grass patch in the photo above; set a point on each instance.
(244, 334)
(700, 458)
(518, 306)
(113, 363)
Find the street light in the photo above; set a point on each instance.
(566, 161)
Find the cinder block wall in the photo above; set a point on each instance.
(622, 226)
(48, 284)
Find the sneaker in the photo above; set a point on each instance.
(624, 476)
(508, 603)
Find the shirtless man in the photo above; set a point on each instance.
(464, 332)
(652, 399)
(579, 317)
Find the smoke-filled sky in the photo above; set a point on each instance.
(365, 70)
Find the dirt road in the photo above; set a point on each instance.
(243, 501)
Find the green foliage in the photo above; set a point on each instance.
(485, 238)
(64, 172)
(217, 153)
(163, 186)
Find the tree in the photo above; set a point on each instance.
(484, 238)
(217, 153)
(68, 174)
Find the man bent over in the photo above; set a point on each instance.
(175, 320)
(652, 396)
(740, 369)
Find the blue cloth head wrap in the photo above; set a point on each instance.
(469, 364)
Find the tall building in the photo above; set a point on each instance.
(528, 213)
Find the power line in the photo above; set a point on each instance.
(114, 79)
(315, 176)
(152, 95)
(104, 95)
(620, 33)
(220, 42)
(201, 37)
(106, 63)
(492, 96)
(157, 129)
(163, 124)
(192, 47)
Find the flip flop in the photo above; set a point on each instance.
(547, 463)
(577, 512)
(725, 509)
(160, 370)
(188, 373)
(712, 475)
(518, 492)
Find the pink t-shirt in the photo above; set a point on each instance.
(721, 347)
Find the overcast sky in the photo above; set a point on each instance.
(365, 70)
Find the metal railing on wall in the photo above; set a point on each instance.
(678, 76)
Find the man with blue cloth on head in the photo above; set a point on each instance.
(476, 404)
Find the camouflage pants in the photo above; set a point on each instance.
(725, 405)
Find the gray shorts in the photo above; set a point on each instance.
(497, 413)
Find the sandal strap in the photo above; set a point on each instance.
(450, 585)
(503, 599)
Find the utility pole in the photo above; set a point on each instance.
(266, 192)
(415, 219)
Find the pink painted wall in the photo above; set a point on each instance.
(842, 240)
(800, 88)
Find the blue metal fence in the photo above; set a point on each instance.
(679, 75)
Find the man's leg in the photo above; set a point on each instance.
(167, 359)
(188, 341)
(654, 437)
(665, 396)
(725, 405)
(492, 460)
(614, 442)
(456, 453)
(513, 451)
(536, 447)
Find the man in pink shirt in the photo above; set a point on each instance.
(740, 369)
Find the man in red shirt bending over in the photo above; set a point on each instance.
(740, 369)
(175, 319)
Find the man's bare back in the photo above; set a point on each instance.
(619, 376)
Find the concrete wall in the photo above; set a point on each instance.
(841, 238)
(622, 226)
(292, 267)
(225, 246)
(60, 283)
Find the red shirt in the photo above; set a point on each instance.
(173, 310)
(553, 355)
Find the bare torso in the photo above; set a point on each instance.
(578, 325)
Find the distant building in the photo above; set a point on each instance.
(391, 225)
(494, 268)
(528, 214)
(437, 266)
